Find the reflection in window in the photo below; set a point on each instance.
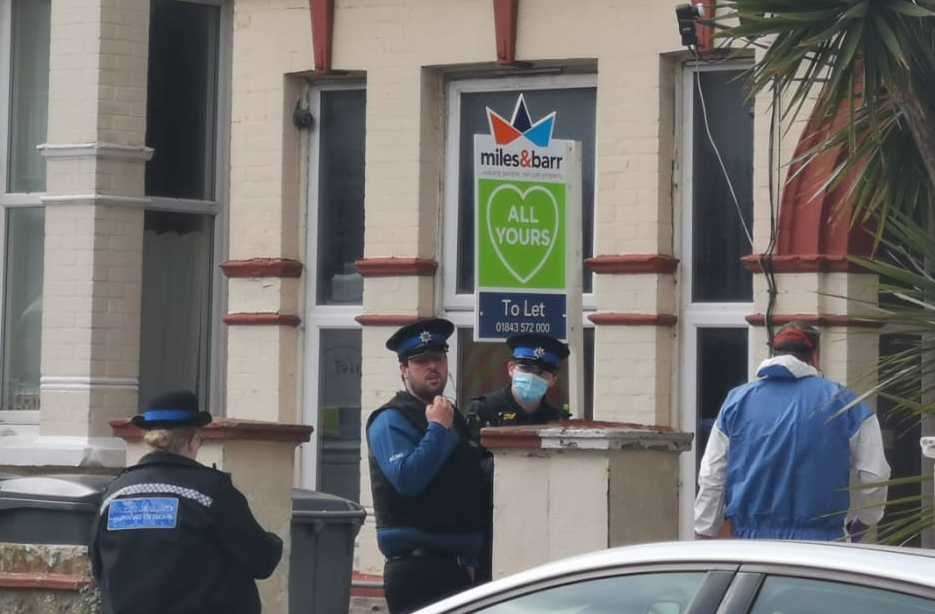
(340, 196)
(576, 108)
(181, 111)
(718, 239)
(22, 325)
(487, 365)
(722, 365)
(339, 413)
(780, 595)
(176, 304)
(666, 593)
(29, 89)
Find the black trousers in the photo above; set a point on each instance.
(414, 582)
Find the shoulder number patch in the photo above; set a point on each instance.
(143, 513)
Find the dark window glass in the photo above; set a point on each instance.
(175, 322)
(341, 196)
(662, 593)
(780, 595)
(22, 309)
(576, 121)
(181, 108)
(339, 413)
(483, 369)
(29, 94)
(722, 365)
(718, 239)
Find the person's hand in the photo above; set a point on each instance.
(440, 411)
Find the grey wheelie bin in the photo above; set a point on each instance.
(50, 509)
(323, 531)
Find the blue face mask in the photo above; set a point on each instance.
(529, 388)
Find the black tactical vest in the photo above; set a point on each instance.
(454, 500)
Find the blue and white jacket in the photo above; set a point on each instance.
(782, 456)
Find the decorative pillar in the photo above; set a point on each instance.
(583, 486)
(96, 160)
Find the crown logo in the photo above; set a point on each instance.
(521, 125)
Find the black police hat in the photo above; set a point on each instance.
(543, 350)
(172, 410)
(419, 337)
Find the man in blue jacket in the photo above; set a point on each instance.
(426, 477)
(785, 450)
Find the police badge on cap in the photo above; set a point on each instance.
(542, 350)
(173, 410)
(421, 337)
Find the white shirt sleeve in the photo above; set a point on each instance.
(712, 477)
(868, 466)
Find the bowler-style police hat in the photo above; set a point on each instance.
(173, 410)
(542, 350)
(420, 337)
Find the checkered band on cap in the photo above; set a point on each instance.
(156, 488)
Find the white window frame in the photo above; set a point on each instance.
(9, 201)
(318, 317)
(457, 307)
(694, 316)
(216, 207)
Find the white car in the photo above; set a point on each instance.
(715, 577)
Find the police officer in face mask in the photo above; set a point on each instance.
(533, 371)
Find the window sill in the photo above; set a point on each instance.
(19, 417)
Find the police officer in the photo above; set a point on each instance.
(176, 536)
(533, 371)
(425, 476)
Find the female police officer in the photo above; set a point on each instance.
(174, 536)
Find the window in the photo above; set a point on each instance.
(335, 236)
(781, 595)
(340, 197)
(574, 99)
(176, 300)
(183, 235)
(716, 290)
(659, 593)
(487, 365)
(24, 101)
(181, 115)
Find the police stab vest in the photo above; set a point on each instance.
(454, 500)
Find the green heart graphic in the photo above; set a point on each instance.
(523, 235)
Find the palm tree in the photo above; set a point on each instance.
(867, 68)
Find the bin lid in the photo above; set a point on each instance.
(313, 501)
(73, 488)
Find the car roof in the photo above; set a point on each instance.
(912, 565)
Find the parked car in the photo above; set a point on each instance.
(715, 576)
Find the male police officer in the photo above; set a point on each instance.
(425, 476)
(533, 371)
(174, 536)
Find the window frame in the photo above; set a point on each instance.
(450, 299)
(459, 307)
(11, 200)
(318, 317)
(217, 208)
(695, 315)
